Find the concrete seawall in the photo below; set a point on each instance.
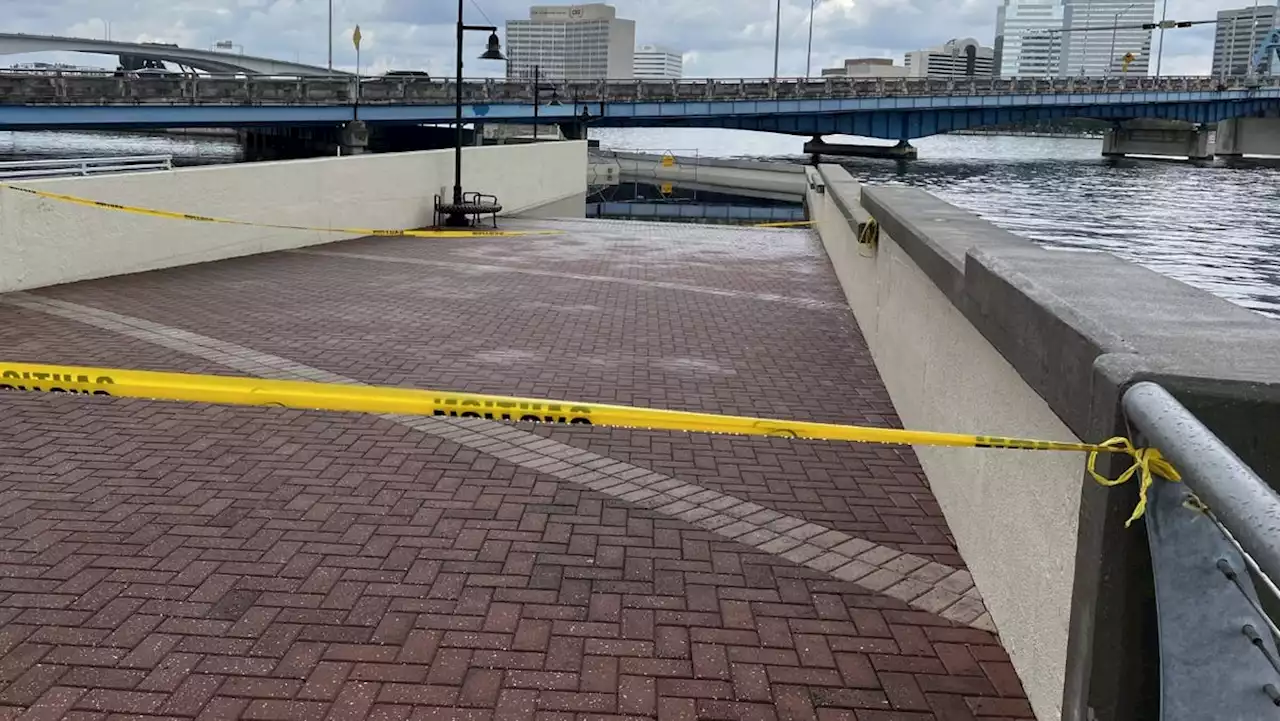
(751, 178)
(978, 330)
(47, 242)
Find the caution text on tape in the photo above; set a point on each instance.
(384, 399)
(1147, 462)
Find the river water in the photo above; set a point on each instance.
(1215, 225)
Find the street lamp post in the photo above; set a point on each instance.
(537, 99)
(330, 36)
(106, 28)
(1111, 56)
(1253, 39)
(457, 213)
(1164, 16)
(777, 37)
(808, 55)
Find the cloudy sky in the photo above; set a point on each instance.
(720, 38)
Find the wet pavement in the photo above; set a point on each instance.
(180, 560)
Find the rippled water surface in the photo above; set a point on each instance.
(185, 149)
(1215, 225)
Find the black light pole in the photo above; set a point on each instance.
(457, 215)
(537, 98)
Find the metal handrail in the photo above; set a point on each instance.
(63, 167)
(1242, 501)
(1217, 644)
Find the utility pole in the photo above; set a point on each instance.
(330, 36)
(1253, 39)
(808, 56)
(1115, 25)
(1164, 15)
(777, 38)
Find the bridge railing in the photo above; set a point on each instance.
(1215, 542)
(176, 88)
(64, 167)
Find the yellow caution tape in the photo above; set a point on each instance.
(785, 224)
(251, 224)
(307, 395)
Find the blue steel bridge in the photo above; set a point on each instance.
(894, 109)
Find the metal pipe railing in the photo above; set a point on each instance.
(1238, 498)
(62, 167)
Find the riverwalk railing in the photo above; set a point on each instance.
(79, 167)
(212, 89)
(1215, 543)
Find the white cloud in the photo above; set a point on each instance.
(722, 38)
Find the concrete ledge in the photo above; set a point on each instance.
(1053, 325)
(1071, 330)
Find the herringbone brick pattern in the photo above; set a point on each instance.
(167, 560)
(174, 560)
(499, 330)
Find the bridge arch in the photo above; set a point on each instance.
(206, 60)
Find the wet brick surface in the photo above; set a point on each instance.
(175, 560)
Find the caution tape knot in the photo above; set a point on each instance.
(1147, 464)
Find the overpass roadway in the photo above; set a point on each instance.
(890, 109)
(207, 60)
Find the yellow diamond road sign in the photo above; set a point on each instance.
(355, 37)
(668, 160)
(666, 188)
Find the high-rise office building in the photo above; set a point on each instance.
(654, 62)
(1024, 46)
(957, 59)
(866, 68)
(1100, 52)
(572, 42)
(1239, 34)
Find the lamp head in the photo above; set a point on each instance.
(494, 49)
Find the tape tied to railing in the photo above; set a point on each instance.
(1147, 465)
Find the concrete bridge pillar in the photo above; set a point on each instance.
(574, 131)
(355, 138)
(1189, 142)
(1248, 136)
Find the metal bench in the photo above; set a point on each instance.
(474, 206)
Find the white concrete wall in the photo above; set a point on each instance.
(46, 242)
(1013, 513)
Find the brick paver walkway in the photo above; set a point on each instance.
(172, 560)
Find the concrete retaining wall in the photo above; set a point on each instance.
(46, 242)
(770, 180)
(977, 330)
(943, 375)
